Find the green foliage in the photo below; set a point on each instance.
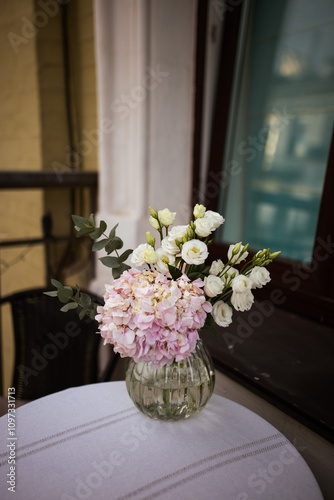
(210, 325)
(112, 243)
(73, 300)
(174, 272)
(64, 293)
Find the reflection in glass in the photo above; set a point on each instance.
(284, 97)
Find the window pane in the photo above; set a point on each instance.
(281, 127)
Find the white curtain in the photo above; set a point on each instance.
(145, 56)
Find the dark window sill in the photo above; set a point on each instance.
(284, 358)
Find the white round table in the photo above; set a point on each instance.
(91, 442)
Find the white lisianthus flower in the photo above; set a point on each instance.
(150, 255)
(241, 284)
(194, 252)
(176, 233)
(164, 258)
(204, 227)
(216, 219)
(216, 267)
(169, 246)
(166, 217)
(259, 276)
(154, 223)
(227, 274)
(222, 313)
(242, 301)
(199, 211)
(144, 254)
(236, 259)
(213, 285)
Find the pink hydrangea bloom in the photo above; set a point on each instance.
(151, 318)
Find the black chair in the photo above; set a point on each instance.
(53, 350)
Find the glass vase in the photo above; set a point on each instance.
(172, 392)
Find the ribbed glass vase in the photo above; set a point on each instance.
(172, 392)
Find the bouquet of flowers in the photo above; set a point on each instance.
(153, 311)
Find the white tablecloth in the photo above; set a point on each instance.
(92, 443)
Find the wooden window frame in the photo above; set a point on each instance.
(308, 289)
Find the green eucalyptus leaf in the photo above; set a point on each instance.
(108, 247)
(91, 220)
(116, 273)
(64, 295)
(80, 221)
(53, 293)
(84, 230)
(99, 231)
(99, 245)
(116, 244)
(57, 284)
(85, 300)
(95, 234)
(110, 262)
(93, 313)
(125, 255)
(103, 226)
(70, 305)
(82, 313)
(113, 232)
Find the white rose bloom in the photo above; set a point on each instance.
(169, 246)
(259, 276)
(222, 313)
(164, 258)
(242, 301)
(216, 267)
(176, 233)
(154, 223)
(150, 255)
(213, 285)
(204, 227)
(216, 219)
(166, 217)
(194, 252)
(236, 259)
(241, 284)
(144, 254)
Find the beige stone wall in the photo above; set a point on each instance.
(34, 135)
(20, 125)
(82, 88)
(20, 149)
(84, 81)
(84, 107)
